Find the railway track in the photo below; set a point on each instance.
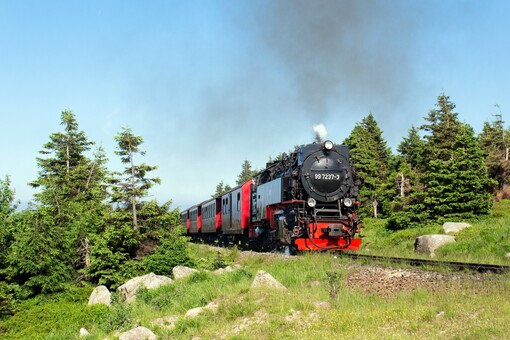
(466, 266)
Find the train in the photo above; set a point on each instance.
(306, 200)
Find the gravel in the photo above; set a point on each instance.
(388, 281)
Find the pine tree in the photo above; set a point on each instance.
(50, 242)
(7, 208)
(452, 179)
(64, 168)
(495, 141)
(41, 257)
(459, 186)
(442, 129)
(371, 157)
(221, 188)
(246, 173)
(411, 148)
(131, 185)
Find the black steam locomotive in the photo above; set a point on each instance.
(306, 201)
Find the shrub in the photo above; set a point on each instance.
(7, 302)
(172, 252)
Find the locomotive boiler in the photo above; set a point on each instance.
(304, 201)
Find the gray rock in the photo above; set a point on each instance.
(194, 312)
(99, 295)
(84, 333)
(227, 269)
(455, 227)
(427, 244)
(138, 333)
(128, 290)
(263, 279)
(181, 272)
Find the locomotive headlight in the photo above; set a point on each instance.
(347, 202)
(328, 145)
(311, 202)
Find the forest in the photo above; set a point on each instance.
(87, 223)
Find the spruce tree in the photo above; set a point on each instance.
(41, 258)
(63, 166)
(441, 131)
(132, 184)
(50, 242)
(246, 173)
(495, 141)
(7, 208)
(459, 186)
(452, 178)
(411, 148)
(371, 157)
(221, 188)
(472, 182)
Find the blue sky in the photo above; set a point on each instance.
(208, 84)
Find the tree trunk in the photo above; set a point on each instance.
(86, 252)
(402, 185)
(133, 199)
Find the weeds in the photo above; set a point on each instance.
(334, 282)
(118, 318)
(317, 303)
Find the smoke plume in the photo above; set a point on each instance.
(341, 52)
(320, 131)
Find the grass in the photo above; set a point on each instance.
(486, 241)
(316, 304)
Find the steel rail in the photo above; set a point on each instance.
(477, 267)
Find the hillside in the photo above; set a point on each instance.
(326, 297)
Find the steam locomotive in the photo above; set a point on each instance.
(304, 201)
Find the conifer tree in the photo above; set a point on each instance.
(459, 186)
(495, 141)
(131, 185)
(411, 148)
(246, 173)
(64, 168)
(441, 131)
(453, 179)
(371, 157)
(7, 209)
(221, 187)
(50, 239)
(405, 176)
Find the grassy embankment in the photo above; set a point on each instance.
(317, 304)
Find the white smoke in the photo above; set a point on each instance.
(320, 130)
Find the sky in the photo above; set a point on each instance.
(209, 84)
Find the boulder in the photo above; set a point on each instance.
(455, 227)
(84, 333)
(263, 279)
(127, 291)
(137, 334)
(194, 312)
(100, 294)
(427, 244)
(181, 272)
(227, 269)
